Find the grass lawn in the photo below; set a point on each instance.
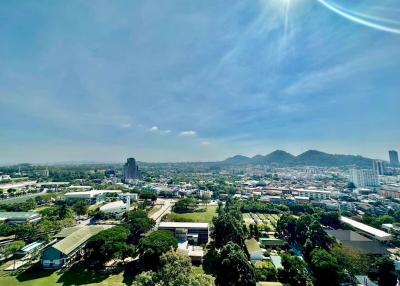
(201, 215)
(35, 276)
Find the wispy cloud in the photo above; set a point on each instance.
(153, 129)
(205, 143)
(188, 133)
(126, 125)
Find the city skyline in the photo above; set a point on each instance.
(187, 81)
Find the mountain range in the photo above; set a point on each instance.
(308, 158)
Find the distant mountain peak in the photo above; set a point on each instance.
(308, 158)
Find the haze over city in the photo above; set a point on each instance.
(197, 81)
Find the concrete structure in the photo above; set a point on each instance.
(31, 248)
(115, 208)
(367, 230)
(59, 254)
(91, 197)
(390, 192)
(276, 261)
(314, 194)
(364, 178)
(254, 250)
(19, 217)
(379, 167)
(131, 170)
(394, 157)
(358, 242)
(195, 253)
(195, 233)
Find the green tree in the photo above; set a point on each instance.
(227, 228)
(175, 270)
(294, 272)
(80, 207)
(286, 227)
(234, 261)
(138, 223)
(154, 245)
(326, 268)
(106, 245)
(383, 272)
(185, 205)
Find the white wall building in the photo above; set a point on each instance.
(364, 178)
(314, 194)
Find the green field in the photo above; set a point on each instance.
(201, 215)
(35, 276)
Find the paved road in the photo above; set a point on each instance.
(166, 206)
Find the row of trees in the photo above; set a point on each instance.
(330, 263)
(226, 253)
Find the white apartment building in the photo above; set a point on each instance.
(364, 178)
(314, 194)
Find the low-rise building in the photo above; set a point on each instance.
(367, 230)
(19, 217)
(115, 208)
(194, 232)
(65, 250)
(314, 194)
(254, 250)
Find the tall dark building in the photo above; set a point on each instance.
(394, 157)
(131, 170)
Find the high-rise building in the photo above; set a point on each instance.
(379, 167)
(364, 178)
(131, 170)
(393, 157)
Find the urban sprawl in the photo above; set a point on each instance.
(312, 219)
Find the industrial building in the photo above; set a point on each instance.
(367, 230)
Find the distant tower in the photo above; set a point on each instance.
(46, 172)
(128, 203)
(379, 167)
(131, 170)
(394, 157)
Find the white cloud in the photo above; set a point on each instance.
(188, 133)
(167, 131)
(125, 125)
(154, 129)
(205, 143)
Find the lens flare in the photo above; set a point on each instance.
(362, 19)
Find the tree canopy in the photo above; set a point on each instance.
(106, 245)
(175, 270)
(154, 245)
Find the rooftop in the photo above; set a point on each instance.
(13, 215)
(77, 238)
(183, 224)
(252, 246)
(380, 234)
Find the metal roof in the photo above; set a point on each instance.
(252, 246)
(77, 238)
(17, 215)
(183, 224)
(379, 234)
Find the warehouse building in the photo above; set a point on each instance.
(367, 230)
(65, 250)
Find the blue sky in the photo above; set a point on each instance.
(197, 80)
